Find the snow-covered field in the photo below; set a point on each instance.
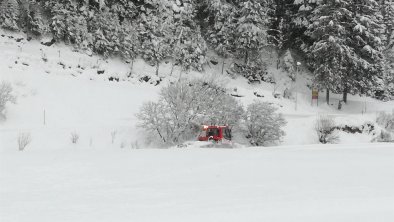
(104, 177)
(338, 183)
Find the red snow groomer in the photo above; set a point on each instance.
(215, 133)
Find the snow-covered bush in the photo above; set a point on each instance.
(325, 129)
(386, 120)
(384, 136)
(5, 97)
(134, 145)
(254, 71)
(262, 124)
(183, 107)
(24, 139)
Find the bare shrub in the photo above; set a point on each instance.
(74, 137)
(5, 96)
(122, 144)
(325, 129)
(184, 105)
(113, 136)
(262, 124)
(24, 139)
(135, 145)
(384, 136)
(386, 120)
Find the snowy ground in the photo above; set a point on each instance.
(338, 183)
(105, 178)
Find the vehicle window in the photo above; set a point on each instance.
(212, 132)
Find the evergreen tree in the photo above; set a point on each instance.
(365, 75)
(329, 55)
(282, 27)
(61, 17)
(221, 25)
(190, 52)
(9, 14)
(124, 9)
(189, 45)
(35, 23)
(346, 54)
(251, 27)
(156, 33)
(128, 41)
(387, 11)
(105, 29)
(302, 16)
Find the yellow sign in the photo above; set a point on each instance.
(315, 94)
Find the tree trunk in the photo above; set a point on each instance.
(158, 131)
(172, 68)
(157, 68)
(131, 68)
(328, 96)
(246, 57)
(223, 66)
(345, 92)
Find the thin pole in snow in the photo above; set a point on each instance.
(295, 82)
(223, 66)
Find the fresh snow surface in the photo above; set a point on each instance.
(106, 178)
(338, 183)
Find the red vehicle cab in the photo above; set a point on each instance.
(215, 133)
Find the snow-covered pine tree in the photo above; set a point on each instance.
(155, 29)
(9, 14)
(251, 28)
(329, 55)
(189, 45)
(387, 11)
(190, 52)
(35, 22)
(365, 75)
(105, 28)
(128, 37)
(125, 9)
(301, 12)
(304, 12)
(221, 25)
(64, 19)
(389, 73)
(282, 27)
(280, 37)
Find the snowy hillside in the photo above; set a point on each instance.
(105, 177)
(74, 93)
